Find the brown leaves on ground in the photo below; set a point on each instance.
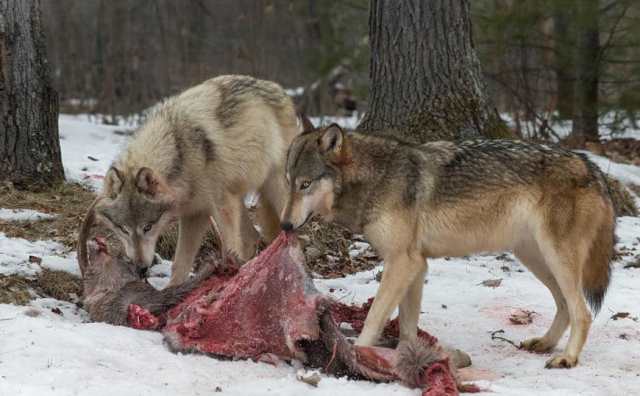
(522, 317)
(19, 290)
(60, 285)
(623, 201)
(69, 202)
(327, 247)
(624, 150)
(493, 283)
(624, 315)
(15, 290)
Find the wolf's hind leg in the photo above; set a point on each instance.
(400, 270)
(565, 265)
(530, 255)
(410, 307)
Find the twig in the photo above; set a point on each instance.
(494, 336)
(333, 356)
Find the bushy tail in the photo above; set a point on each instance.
(597, 272)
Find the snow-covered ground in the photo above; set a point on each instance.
(44, 353)
(23, 215)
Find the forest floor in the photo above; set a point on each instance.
(48, 346)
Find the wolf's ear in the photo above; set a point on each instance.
(113, 182)
(148, 182)
(305, 123)
(331, 140)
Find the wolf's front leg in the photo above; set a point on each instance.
(399, 273)
(410, 307)
(191, 230)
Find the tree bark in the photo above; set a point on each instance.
(585, 120)
(564, 62)
(29, 142)
(426, 82)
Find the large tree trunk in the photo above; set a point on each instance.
(425, 76)
(585, 120)
(29, 143)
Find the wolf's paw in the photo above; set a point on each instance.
(561, 361)
(536, 344)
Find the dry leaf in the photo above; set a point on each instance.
(308, 378)
(620, 315)
(521, 317)
(491, 282)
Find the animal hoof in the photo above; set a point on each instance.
(538, 345)
(561, 361)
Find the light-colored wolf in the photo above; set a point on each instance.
(198, 154)
(550, 206)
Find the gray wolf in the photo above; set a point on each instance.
(198, 154)
(550, 206)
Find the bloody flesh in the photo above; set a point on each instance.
(270, 308)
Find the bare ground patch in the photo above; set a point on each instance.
(68, 202)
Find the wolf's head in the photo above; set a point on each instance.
(137, 207)
(312, 170)
(104, 272)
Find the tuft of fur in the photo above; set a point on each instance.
(413, 358)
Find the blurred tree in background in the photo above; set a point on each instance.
(550, 60)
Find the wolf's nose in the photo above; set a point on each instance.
(286, 226)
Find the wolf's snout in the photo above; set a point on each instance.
(286, 226)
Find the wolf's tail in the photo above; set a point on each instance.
(596, 273)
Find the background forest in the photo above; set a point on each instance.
(541, 58)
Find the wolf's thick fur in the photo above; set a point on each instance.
(199, 154)
(550, 206)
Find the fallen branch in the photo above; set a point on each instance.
(495, 336)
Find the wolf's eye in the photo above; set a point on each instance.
(147, 227)
(304, 185)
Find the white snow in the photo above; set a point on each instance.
(88, 149)
(51, 354)
(23, 215)
(562, 128)
(15, 253)
(350, 122)
(623, 172)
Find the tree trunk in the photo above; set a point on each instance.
(564, 62)
(29, 143)
(585, 120)
(426, 82)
